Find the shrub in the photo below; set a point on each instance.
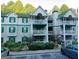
(25, 43)
(41, 45)
(24, 48)
(49, 45)
(75, 42)
(13, 46)
(16, 48)
(9, 44)
(36, 46)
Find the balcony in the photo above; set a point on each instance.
(39, 32)
(50, 24)
(40, 21)
(50, 33)
(68, 32)
(68, 23)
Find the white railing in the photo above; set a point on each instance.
(68, 32)
(50, 32)
(39, 21)
(69, 22)
(39, 32)
(50, 24)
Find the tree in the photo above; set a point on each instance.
(10, 6)
(55, 39)
(64, 8)
(18, 6)
(3, 8)
(55, 8)
(28, 8)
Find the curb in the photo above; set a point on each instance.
(34, 52)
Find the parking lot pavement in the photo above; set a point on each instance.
(41, 56)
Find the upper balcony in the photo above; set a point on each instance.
(39, 32)
(68, 32)
(40, 21)
(50, 24)
(50, 33)
(68, 23)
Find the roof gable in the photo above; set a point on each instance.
(70, 12)
(40, 10)
(67, 13)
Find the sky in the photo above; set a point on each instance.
(48, 4)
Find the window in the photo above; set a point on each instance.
(2, 19)
(2, 29)
(24, 39)
(12, 19)
(24, 20)
(24, 29)
(11, 29)
(2, 39)
(12, 38)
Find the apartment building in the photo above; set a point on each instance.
(17, 27)
(39, 26)
(65, 26)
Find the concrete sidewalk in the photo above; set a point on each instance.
(34, 52)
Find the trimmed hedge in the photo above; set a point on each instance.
(36, 45)
(41, 45)
(75, 42)
(14, 46)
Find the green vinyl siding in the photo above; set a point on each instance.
(2, 39)
(2, 29)
(12, 19)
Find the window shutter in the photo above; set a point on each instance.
(9, 29)
(22, 20)
(2, 39)
(2, 29)
(26, 29)
(2, 19)
(14, 19)
(22, 29)
(10, 19)
(13, 29)
(26, 20)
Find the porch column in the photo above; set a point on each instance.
(64, 31)
(46, 40)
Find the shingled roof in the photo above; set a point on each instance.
(19, 15)
(23, 15)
